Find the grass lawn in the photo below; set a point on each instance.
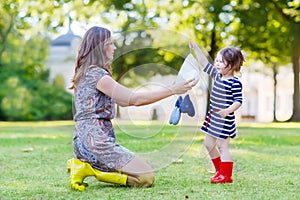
(266, 162)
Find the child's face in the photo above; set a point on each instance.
(221, 65)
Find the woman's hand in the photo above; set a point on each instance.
(183, 87)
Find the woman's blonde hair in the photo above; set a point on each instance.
(92, 53)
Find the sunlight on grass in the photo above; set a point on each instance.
(37, 124)
(247, 142)
(44, 136)
(153, 123)
(137, 122)
(33, 161)
(147, 123)
(270, 125)
(17, 184)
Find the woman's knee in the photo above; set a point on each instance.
(147, 180)
(142, 180)
(140, 173)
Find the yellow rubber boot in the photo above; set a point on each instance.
(69, 170)
(111, 177)
(79, 170)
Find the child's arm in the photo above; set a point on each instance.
(224, 112)
(199, 54)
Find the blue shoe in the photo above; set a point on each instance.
(178, 102)
(176, 114)
(187, 106)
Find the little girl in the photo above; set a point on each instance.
(225, 99)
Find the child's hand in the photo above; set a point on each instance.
(192, 44)
(199, 54)
(223, 113)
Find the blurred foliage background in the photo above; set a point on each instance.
(268, 30)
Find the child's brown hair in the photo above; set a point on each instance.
(232, 56)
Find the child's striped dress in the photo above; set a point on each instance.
(224, 93)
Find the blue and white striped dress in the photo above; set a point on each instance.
(224, 93)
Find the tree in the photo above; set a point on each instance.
(262, 35)
(265, 28)
(207, 22)
(139, 54)
(290, 11)
(25, 93)
(212, 23)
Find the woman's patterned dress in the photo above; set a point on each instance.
(95, 140)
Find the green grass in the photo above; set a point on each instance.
(267, 162)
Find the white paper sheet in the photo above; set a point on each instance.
(189, 70)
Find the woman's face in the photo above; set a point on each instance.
(110, 48)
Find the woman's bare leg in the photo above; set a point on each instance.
(140, 174)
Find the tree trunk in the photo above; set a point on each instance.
(296, 106)
(274, 91)
(296, 60)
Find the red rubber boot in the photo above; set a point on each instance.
(225, 173)
(216, 162)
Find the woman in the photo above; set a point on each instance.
(95, 93)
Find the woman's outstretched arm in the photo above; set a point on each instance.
(126, 97)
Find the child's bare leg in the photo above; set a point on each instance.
(223, 146)
(210, 144)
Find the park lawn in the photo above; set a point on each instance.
(267, 159)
